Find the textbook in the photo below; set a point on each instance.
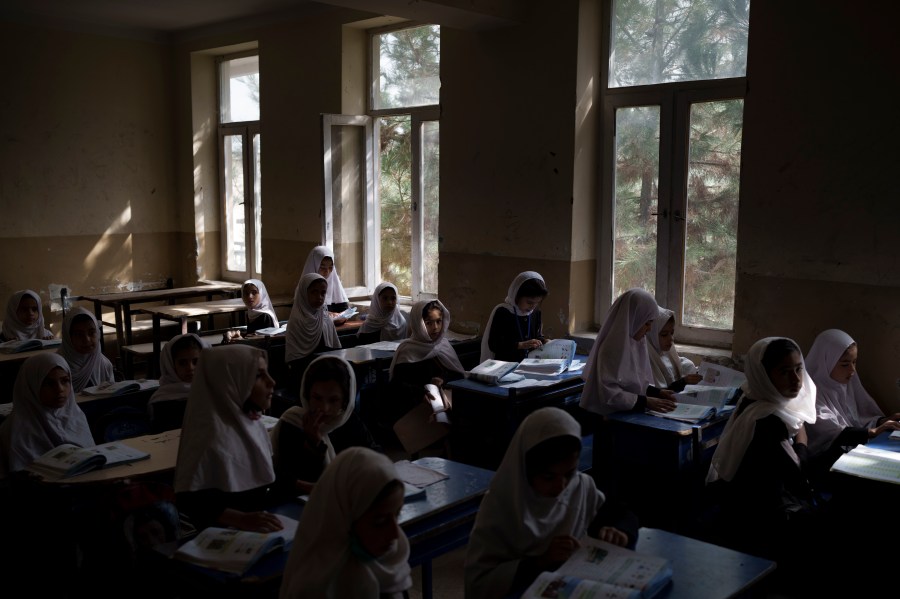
(68, 460)
(348, 313)
(235, 551)
(19, 345)
(542, 366)
(600, 569)
(120, 387)
(491, 371)
(555, 349)
(871, 463)
(699, 402)
(271, 331)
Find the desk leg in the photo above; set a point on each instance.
(120, 335)
(426, 579)
(98, 313)
(184, 326)
(153, 367)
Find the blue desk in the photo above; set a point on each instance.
(436, 523)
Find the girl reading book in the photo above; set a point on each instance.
(384, 322)
(348, 542)
(670, 371)
(514, 327)
(24, 318)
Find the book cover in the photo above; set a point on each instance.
(491, 371)
(120, 387)
(21, 345)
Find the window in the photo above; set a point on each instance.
(673, 107)
(239, 172)
(382, 169)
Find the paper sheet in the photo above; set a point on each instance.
(416, 475)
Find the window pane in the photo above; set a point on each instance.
(348, 196)
(395, 191)
(636, 198)
(661, 41)
(235, 234)
(408, 64)
(257, 206)
(431, 154)
(239, 85)
(714, 173)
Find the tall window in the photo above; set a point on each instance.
(673, 110)
(382, 169)
(239, 176)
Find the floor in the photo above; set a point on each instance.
(447, 577)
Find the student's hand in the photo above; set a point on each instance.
(887, 425)
(338, 321)
(49, 336)
(693, 379)
(260, 522)
(561, 548)
(895, 417)
(613, 535)
(659, 404)
(312, 422)
(530, 344)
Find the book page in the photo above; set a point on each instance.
(555, 349)
(417, 475)
(870, 462)
(117, 452)
(553, 585)
(605, 562)
(382, 345)
(705, 395)
(687, 412)
(67, 460)
(717, 375)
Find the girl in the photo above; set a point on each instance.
(384, 321)
(44, 414)
(846, 414)
(260, 312)
(348, 542)
(321, 260)
(426, 357)
(178, 363)
(514, 327)
(24, 318)
(538, 507)
(309, 329)
(224, 464)
(307, 437)
(670, 371)
(81, 349)
(618, 375)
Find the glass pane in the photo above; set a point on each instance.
(636, 198)
(714, 174)
(257, 206)
(239, 85)
(396, 201)
(235, 234)
(408, 67)
(661, 41)
(431, 154)
(348, 199)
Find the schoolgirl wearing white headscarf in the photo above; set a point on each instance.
(618, 375)
(33, 429)
(327, 560)
(391, 324)
(308, 327)
(419, 347)
(845, 412)
(87, 369)
(510, 316)
(14, 329)
(669, 369)
(171, 387)
(257, 313)
(336, 294)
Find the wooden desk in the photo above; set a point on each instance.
(701, 570)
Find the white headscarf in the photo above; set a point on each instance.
(419, 347)
(322, 564)
(335, 293)
(739, 430)
(838, 405)
(170, 386)
(263, 305)
(392, 324)
(509, 304)
(618, 368)
(221, 446)
(307, 325)
(668, 366)
(514, 522)
(15, 329)
(294, 415)
(32, 430)
(85, 367)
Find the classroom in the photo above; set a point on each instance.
(110, 151)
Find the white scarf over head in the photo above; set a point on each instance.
(419, 347)
(392, 324)
(335, 293)
(15, 329)
(170, 386)
(294, 415)
(221, 446)
(668, 366)
(32, 430)
(838, 405)
(509, 304)
(85, 367)
(514, 522)
(618, 368)
(263, 303)
(321, 564)
(307, 325)
(768, 400)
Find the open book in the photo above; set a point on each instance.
(551, 359)
(871, 463)
(19, 345)
(600, 569)
(68, 460)
(120, 387)
(235, 551)
(271, 331)
(491, 371)
(348, 313)
(555, 349)
(699, 402)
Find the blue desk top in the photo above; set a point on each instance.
(360, 355)
(883, 441)
(566, 378)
